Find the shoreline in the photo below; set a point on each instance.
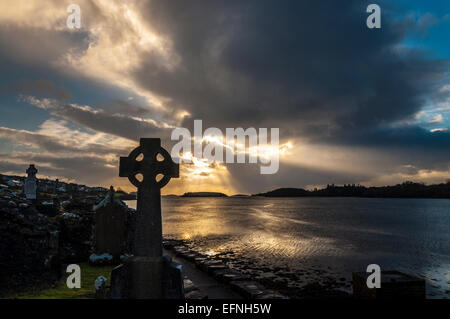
(273, 284)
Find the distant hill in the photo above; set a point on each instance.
(170, 196)
(404, 190)
(286, 192)
(204, 194)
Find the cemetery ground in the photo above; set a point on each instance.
(59, 290)
(40, 237)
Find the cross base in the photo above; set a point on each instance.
(140, 278)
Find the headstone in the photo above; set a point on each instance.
(147, 268)
(72, 189)
(30, 186)
(55, 186)
(110, 221)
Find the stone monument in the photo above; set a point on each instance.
(110, 223)
(55, 186)
(148, 275)
(30, 185)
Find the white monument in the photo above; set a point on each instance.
(30, 186)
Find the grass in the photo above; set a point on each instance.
(87, 291)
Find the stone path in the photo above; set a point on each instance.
(207, 285)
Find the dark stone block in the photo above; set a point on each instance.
(248, 289)
(212, 268)
(120, 282)
(188, 286)
(228, 275)
(270, 294)
(173, 279)
(196, 294)
(209, 263)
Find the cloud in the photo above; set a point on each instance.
(65, 153)
(256, 64)
(90, 170)
(100, 120)
(312, 69)
(56, 138)
(437, 119)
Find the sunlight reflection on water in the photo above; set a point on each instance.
(341, 234)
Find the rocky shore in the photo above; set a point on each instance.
(254, 282)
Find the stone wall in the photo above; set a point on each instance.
(29, 246)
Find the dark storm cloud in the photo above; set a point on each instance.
(310, 67)
(6, 166)
(413, 145)
(123, 107)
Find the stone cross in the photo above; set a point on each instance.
(151, 161)
(30, 186)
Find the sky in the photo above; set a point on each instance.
(353, 104)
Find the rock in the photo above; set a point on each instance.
(70, 215)
(248, 289)
(102, 259)
(181, 250)
(12, 204)
(270, 294)
(100, 287)
(228, 275)
(198, 261)
(196, 294)
(188, 286)
(190, 256)
(212, 265)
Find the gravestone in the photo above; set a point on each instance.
(72, 190)
(55, 186)
(147, 275)
(110, 222)
(30, 185)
